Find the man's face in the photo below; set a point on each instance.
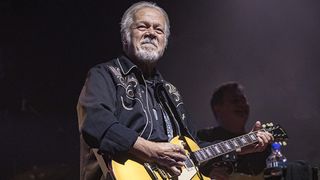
(147, 35)
(234, 111)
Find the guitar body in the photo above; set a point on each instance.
(134, 170)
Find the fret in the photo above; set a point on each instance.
(248, 139)
(235, 143)
(253, 137)
(226, 144)
(239, 141)
(216, 148)
(208, 151)
(212, 150)
(203, 153)
(230, 144)
(243, 140)
(221, 147)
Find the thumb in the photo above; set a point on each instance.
(257, 126)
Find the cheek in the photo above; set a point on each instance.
(136, 36)
(162, 42)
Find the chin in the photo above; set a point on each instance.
(148, 56)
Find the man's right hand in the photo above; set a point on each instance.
(168, 155)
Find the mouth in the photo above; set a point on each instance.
(149, 44)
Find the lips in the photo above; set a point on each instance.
(148, 41)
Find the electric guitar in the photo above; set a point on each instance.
(132, 169)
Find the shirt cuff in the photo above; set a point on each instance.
(118, 138)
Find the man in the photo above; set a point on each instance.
(126, 108)
(231, 110)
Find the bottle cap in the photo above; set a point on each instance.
(276, 146)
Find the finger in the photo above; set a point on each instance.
(261, 142)
(257, 126)
(180, 150)
(176, 156)
(176, 171)
(264, 137)
(271, 136)
(177, 163)
(176, 148)
(169, 161)
(268, 136)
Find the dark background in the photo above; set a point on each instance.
(46, 47)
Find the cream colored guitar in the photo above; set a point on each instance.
(134, 170)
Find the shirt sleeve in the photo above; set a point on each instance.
(96, 108)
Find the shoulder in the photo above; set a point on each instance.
(104, 65)
(105, 68)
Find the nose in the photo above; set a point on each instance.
(151, 32)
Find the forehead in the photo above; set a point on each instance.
(150, 15)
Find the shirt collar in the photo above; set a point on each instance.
(126, 66)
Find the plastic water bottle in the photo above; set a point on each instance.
(276, 162)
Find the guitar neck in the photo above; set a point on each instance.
(224, 147)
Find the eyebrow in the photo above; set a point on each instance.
(154, 24)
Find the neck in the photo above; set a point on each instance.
(147, 68)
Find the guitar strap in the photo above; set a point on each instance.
(107, 173)
(163, 98)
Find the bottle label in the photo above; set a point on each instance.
(276, 164)
(272, 164)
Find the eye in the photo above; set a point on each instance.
(159, 30)
(142, 27)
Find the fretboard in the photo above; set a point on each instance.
(224, 147)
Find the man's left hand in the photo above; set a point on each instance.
(264, 138)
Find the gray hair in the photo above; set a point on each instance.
(127, 20)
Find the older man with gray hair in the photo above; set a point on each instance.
(127, 111)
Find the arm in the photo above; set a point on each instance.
(96, 113)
